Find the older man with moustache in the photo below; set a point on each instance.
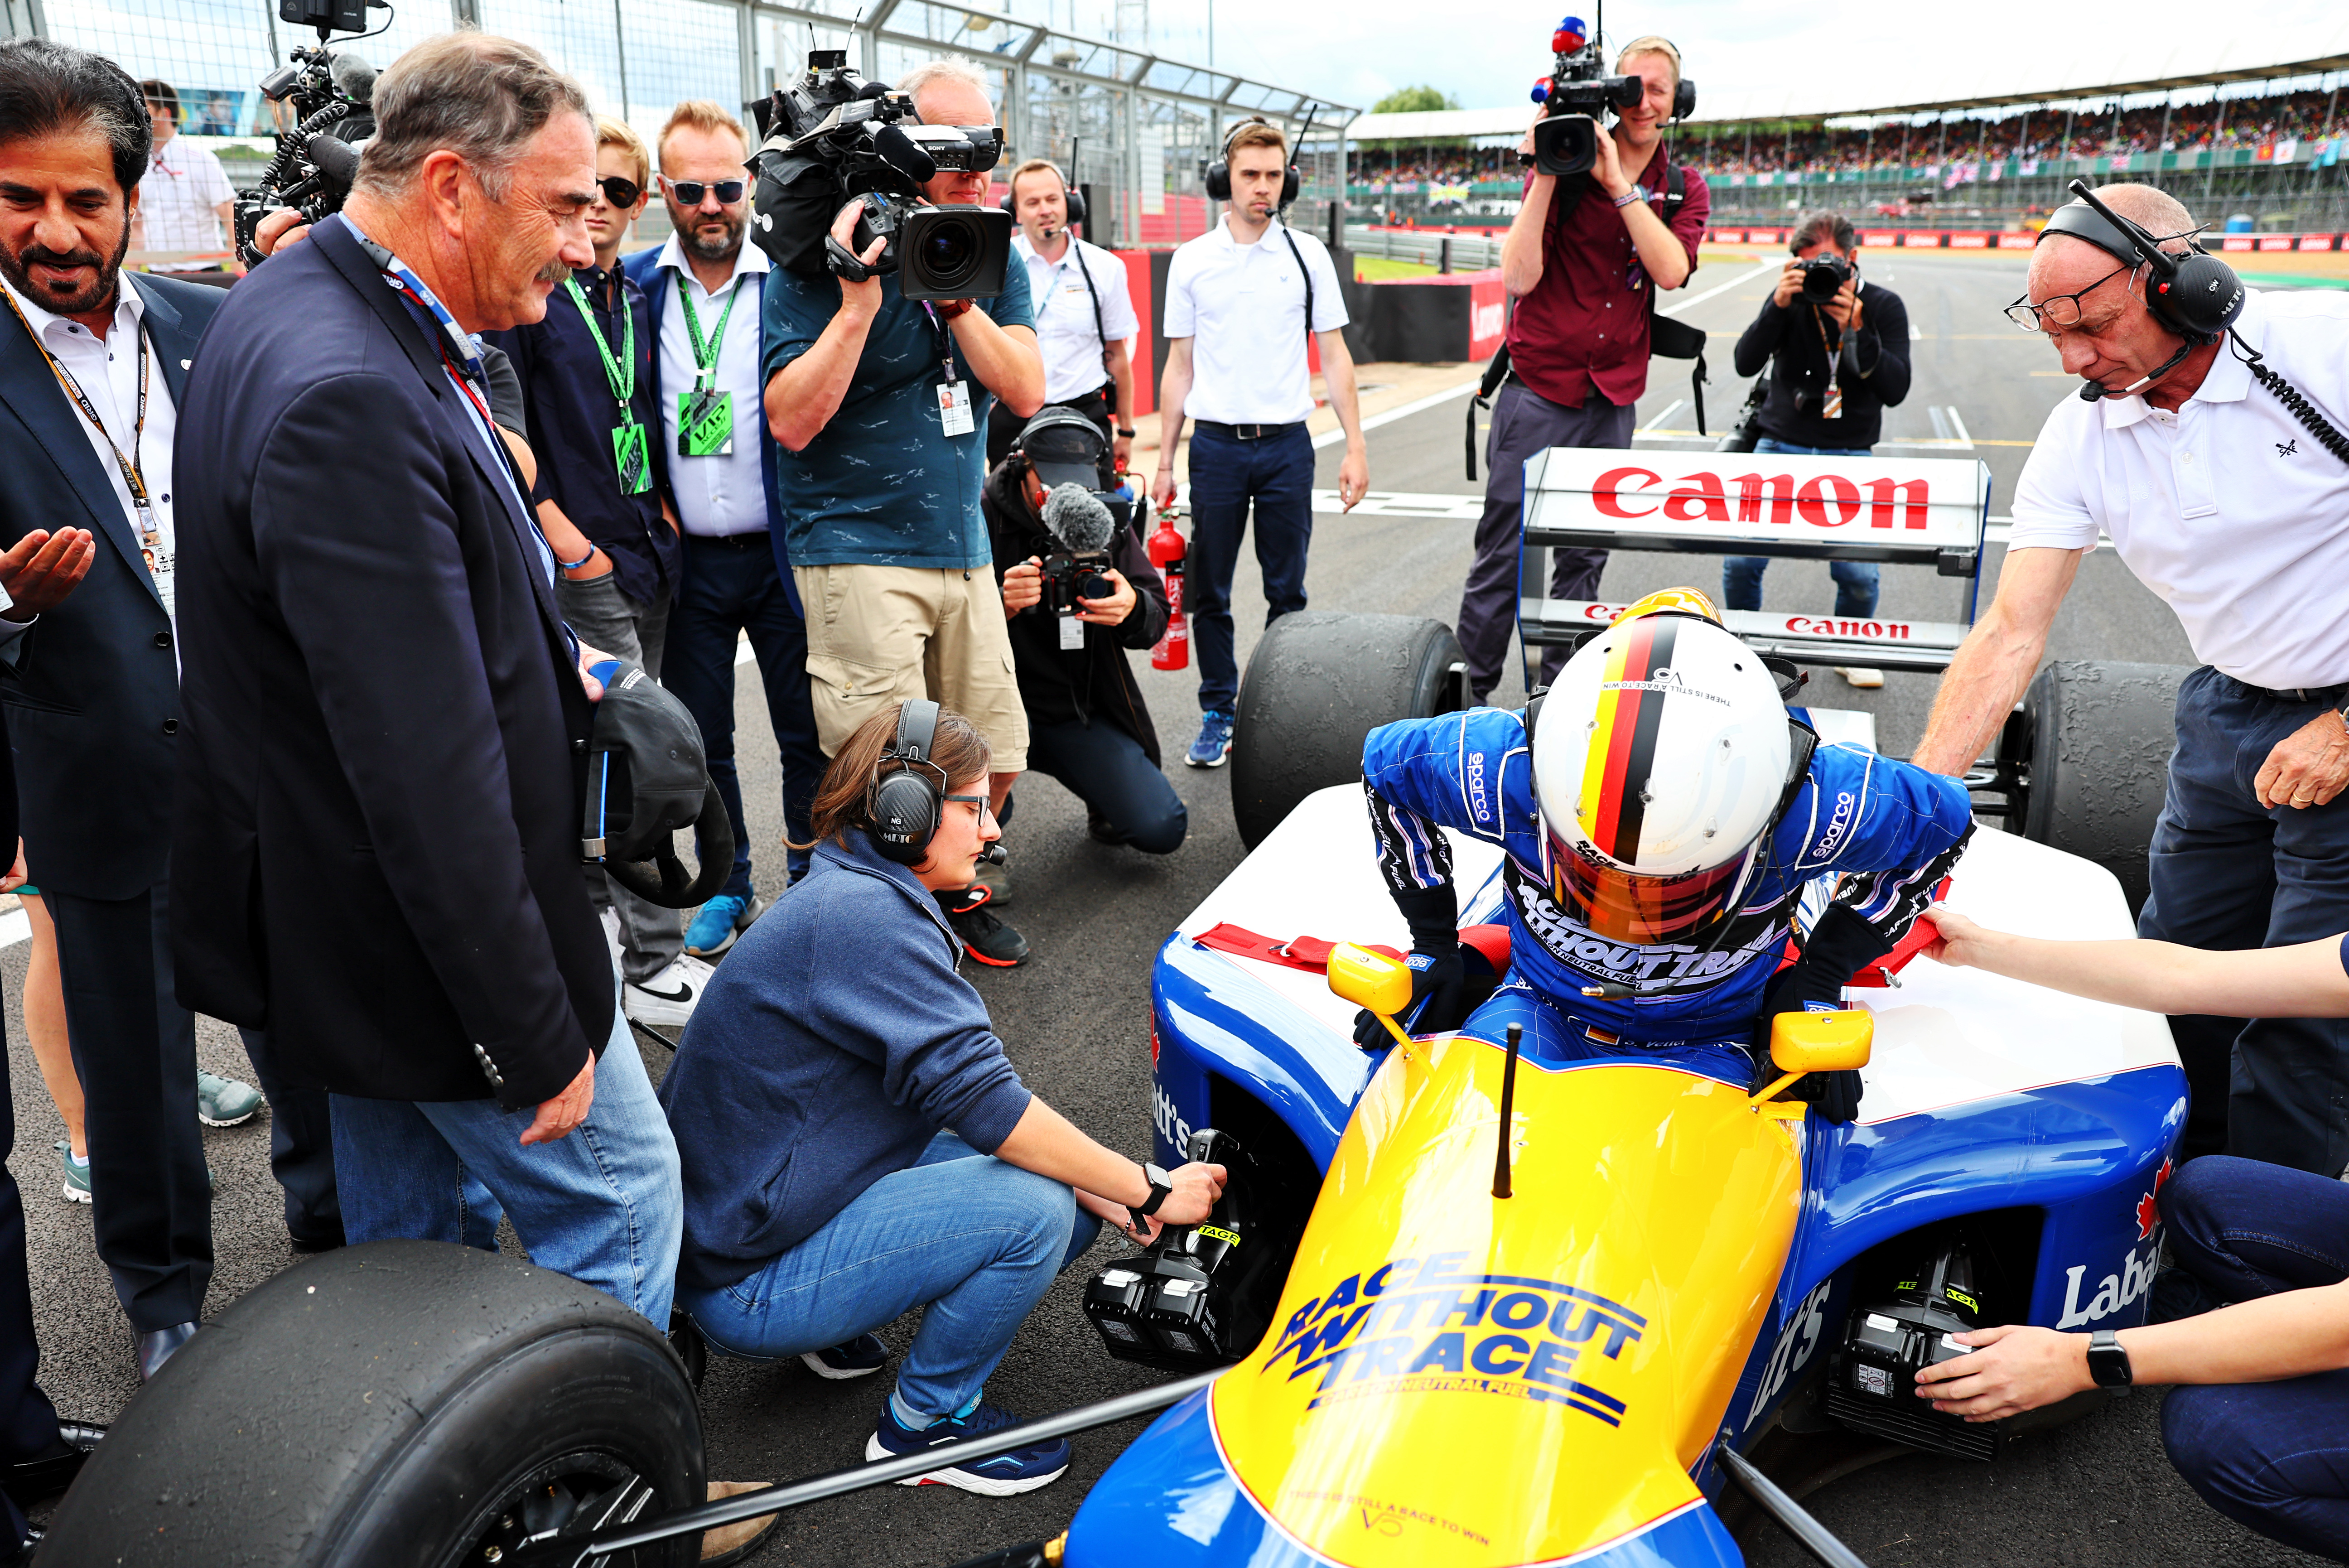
(2232, 509)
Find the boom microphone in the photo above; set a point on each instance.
(335, 160)
(1078, 519)
(904, 154)
(2096, 391)
(354, 79)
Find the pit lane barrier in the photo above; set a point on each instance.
(1930, 511)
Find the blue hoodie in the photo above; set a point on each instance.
(832, 1044)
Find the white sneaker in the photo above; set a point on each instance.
(1859, 675)
(667, 1000)
(611, 919)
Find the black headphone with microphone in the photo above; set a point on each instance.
(2193, 294)
(1219, 172)
(1076, 198)
(902, 806)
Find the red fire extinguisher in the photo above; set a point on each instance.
(1167, 549)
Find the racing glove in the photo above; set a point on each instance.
(1438, 979)
(1840, 945)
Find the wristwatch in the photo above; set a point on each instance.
(2108, 1360)
(1160, 1188)
(1126, 434)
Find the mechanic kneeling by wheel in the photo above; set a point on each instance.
(1079, 591)
(854, 1142)
(1661, 811)
(2260, 1426)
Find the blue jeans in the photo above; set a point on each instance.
(975, 1240)
(730, 585)
(1108, 770)
(2271, 1456)
(2229, 872)
(604, 1205)
(1277, 473)
(1855, 581)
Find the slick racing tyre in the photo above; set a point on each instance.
(403, 1402)
(2096, 739)
(1317, 684)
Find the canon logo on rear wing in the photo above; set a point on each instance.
(1749, 623)
(1821, 500)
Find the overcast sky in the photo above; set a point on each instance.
(1488, 52)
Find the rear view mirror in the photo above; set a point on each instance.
(1835, 1042)
(1369, 980)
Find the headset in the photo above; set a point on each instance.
(1076, 198)
(902, 807)
(2194, 295)
(1219, 172)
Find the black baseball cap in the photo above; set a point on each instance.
(1064, 447)
(647, 776)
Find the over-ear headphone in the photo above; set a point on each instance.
(1076, 198)
(1219, 172)
(2195, 295)
(902, 806)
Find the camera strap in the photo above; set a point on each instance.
(1307, 273)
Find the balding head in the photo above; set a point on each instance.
(2113, 339)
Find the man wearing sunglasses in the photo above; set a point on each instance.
(704, 291)
(2229, 508)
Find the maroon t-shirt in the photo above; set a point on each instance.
(1586, 323)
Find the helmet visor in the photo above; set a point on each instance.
(1624, 908)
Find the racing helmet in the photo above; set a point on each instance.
(1661, 758)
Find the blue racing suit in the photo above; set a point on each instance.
(1890, 830)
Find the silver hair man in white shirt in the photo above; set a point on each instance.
(2235, 510)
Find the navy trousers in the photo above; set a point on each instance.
(1108, 770)
(28, 1422)
(1276, 472)
(2271, 1456)
(1523, 424)
(732, 586)
(2229, 873)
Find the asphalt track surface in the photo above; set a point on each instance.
(1073, 1018)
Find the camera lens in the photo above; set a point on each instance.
(950, 251)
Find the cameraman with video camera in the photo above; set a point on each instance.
(1838, 349)
(1582, 260)
(1080, 592)
(878, 404)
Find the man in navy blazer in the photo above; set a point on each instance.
(93, 380)
(386, 723)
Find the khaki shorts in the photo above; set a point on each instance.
(880, 635)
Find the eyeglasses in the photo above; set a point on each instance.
(984, 806)
(688, 192)
(620, 190)
(2061, 312)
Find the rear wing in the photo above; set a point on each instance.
(1911, 511)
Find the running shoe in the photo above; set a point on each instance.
(225, 1102)
(76, 1183)
(1215, 741)
(858, 1357)
(717, 925)
(982, 936)
(667, 1000)
(1861, 676)
(1004, 1475)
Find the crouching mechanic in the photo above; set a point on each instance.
(1661, 811)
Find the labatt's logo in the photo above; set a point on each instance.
(2114, 1292)
(1823, 501)
(1422, 1326)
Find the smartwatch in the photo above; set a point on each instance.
(1126, 434)
(2109, 1360)
(1160, 1188)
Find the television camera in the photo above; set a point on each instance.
(330, 95)
(1577, 92)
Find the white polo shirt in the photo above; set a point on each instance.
(178, 198)
(1065, 329)
(1243, 307)
(716, 496)
(2228, 509)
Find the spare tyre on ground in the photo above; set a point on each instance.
(1318, 682)
(402, 1402)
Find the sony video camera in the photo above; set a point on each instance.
(1576, 93)
(834, 138)
(331, 96)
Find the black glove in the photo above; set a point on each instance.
(1436, 1000)
(1840, 945)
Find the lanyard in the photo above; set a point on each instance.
(396, 273)
(623, 376)
(946, 339)
(132, 478)
(705, 350)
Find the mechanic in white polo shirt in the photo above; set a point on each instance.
(1084, 313)
(1241, 300)
(2236, 512)
(185, 201)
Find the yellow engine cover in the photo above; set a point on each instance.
(1457, 1379)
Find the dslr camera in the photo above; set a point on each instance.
(331, 95)
(1576, 93)
(834, 138)
(1822, 277)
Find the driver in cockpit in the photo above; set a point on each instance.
(1661, 812)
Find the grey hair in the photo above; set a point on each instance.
(47, 86)
(473, 94)
(1824, 227)
(922, 77)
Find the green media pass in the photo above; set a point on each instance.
(632, 455)
(705, 424)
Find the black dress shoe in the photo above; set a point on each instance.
(311, 1246)
(157, 1345)
(53, 1469)
(22, 1557)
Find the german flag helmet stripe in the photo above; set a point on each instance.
(1622, 744)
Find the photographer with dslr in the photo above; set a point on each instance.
(878, 402)
(1079, 591)
(1838, 349)
(1582, 261)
